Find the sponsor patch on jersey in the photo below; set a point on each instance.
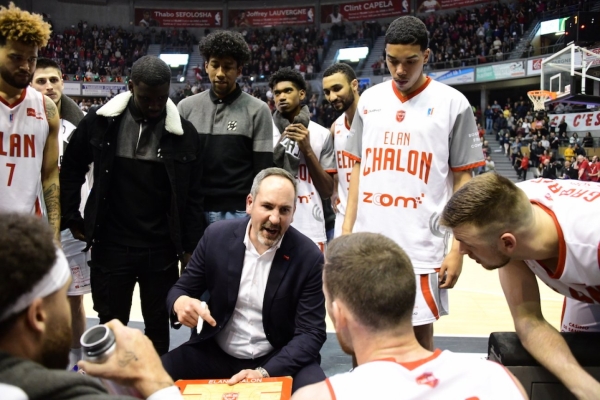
(231, 125)
(32, 113)
(400, 115)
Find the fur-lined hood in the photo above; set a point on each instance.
(118, 104)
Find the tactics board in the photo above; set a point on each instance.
(251, 389)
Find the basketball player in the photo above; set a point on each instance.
(341, 90)
(545, 228)
(369, 295)
(47, 79)
(28, 121)
(311, 149)
(415, 142)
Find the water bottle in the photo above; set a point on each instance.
(98, 345)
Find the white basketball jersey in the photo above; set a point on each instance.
(343, 162)
(309, 218)
(23, 133)
(408, 148)
(444, 375)
(575, 208)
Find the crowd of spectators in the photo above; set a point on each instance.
(106, 54)
(540, 142)
(272, 49)
(484, 34)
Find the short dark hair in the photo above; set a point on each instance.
(47, 63)
(288, 75)
(151, 70)
(341, 68)
(407, 30)
(225, 44)
(373, 276)
(27, 253)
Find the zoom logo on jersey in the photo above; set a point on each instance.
(387, 200)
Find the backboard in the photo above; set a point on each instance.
(573, 74)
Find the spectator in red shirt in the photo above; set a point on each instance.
(584, 168)
(594, 173)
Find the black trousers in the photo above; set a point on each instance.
(206, 360)
(114, 271)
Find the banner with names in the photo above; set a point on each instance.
(363, 10)
(169, 18)
(428, 6)
(272, 16)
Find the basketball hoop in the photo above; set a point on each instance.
(539, 98)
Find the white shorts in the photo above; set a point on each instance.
(78, 262)
(431, 301)
(339, 221)
(580, 317)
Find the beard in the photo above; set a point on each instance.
(14, 82)
(269, 241)
(346, 102)
(56, 347)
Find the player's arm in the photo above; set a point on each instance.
(538, 337)
(336, 181)
(352, 204)
(322, 180)
(316, 391)
(49, 172)
(452, 265)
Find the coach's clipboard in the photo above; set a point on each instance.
(248, 389)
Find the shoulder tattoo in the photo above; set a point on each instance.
(51, 110)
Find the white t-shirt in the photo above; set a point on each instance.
(574, 206)
(408, 148)
(343, 162)
(309, 218)
(24, 128)
(444, 375)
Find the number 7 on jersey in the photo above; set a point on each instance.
(11, 173)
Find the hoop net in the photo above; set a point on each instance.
(539, 98)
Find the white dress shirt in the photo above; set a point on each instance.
(244, 335)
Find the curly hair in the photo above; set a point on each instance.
(225, 44)
(27, 253)
(408, 30)
(287, 75)
(22, 26)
